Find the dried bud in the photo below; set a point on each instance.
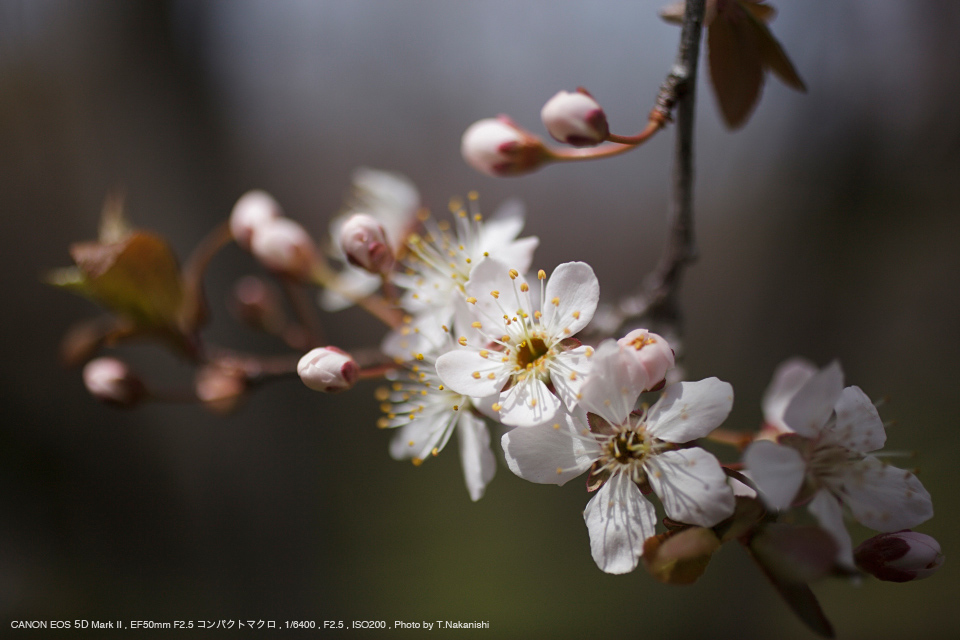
(253, 209)
(649, 356)
(220, 386)
(110, 380)
(328, 369)
(575, 118)
(498, 147)
(364, 243)
(900, 557)
(284, 246)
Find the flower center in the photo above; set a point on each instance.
(530, 353)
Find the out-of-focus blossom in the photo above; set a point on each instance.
(284, 246)
(530, 360)
(575, 118)
(252, 210)
(826, 460)
(628, 453)
(900, 557)
(500, 147)
(328, 369)
(364, 243)
(110, 380)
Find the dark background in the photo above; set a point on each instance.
(828, 227)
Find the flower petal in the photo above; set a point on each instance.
(858, 426)
(778, 472)
(813, 404)
(463, 370)
(691, 485)
(690, 410)
(419, 437)
(571, 298)
(549, 453)
(569, 372)
(610, 391)
(619, 519)
(882, 497)
(528, 403)
(476, 458)
(789, 377)
(829, 514)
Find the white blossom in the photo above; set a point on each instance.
(825, 459)
(529, 358)
(627, 451)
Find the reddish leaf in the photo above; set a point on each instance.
(679, 557)
(736, 67)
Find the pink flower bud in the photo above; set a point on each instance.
(900, 557)
(575, 118)
(328, 369)
(110, 380)
(498, 147)
(284, 246)
(364, 243)
(649, 356)
(253, 209)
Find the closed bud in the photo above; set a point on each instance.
(328, 369)
(900, 557)
(364, 243)
(575, 118)
(220, 386)
(498, 147)
(110, 380)
(253, 209)
(282, 245)
(648, 355)
(257, 303)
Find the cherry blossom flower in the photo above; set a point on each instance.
(426, 413)
(629, 453)
(825, 462)
(529, 357)
(441, 261)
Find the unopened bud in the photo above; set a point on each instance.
(110, 380)
(498, 147)
(253, 209)
(220, 386)
(364, 243)
(648, 355)
(284, 246)
(257, 303)
(328, 369)
(575, 118)
(900, 557)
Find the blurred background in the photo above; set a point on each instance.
(828, 227)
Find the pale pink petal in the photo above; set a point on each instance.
(610, 391)
(350, 285)
(829, 514)
(424, 335)
(812, 405)
(476, 458)
(528, 403)
(691, 485)
(778, 472)
(570, 300)
(494, 276)
(465, 371)
(498, 237)
(549, 453)
(690, 410)
(619, 520)
(858, 426)
(569, 372)
(419, 437)
(880, 496)
(789, 377)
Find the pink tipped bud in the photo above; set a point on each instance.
(498, 147)
(575, 118)
(253, 209)
(110, 380)
(328, 369)
(282, 245)
(364, 242)
(649, 356)
(900, 557)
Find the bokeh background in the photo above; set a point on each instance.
(828, 227)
